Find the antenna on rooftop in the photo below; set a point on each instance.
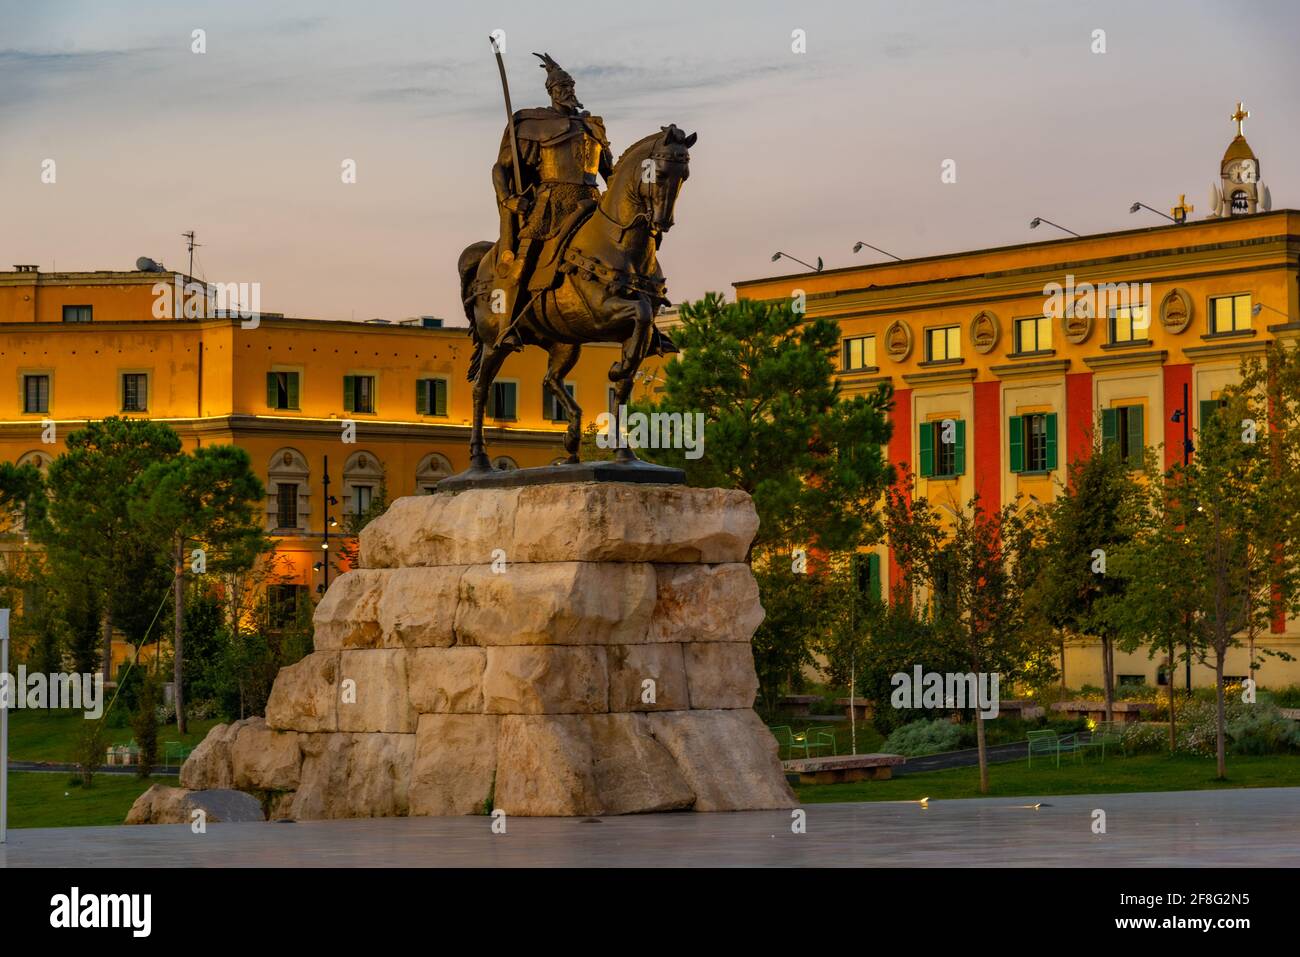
(189, 238)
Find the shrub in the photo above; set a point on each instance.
(924, 737)
(1262, 730)
(91, 739)
(144, 725)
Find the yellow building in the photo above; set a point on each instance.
(1020, 351)
(80, 346)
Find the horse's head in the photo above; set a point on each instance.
(648, 177)
(667, 167)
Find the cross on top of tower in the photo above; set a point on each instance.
(1239, 117)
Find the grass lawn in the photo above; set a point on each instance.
(1115, 775)
(49, 735)
(46, 799)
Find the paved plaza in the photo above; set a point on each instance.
(1229, 828)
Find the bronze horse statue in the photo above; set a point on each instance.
(610, 290)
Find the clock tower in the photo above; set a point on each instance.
(1239, 191)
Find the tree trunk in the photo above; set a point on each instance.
(1108, 676)
(1221, 731)
(106, 632)
(1169, 677)
(984, 757)
(1062, 667)
(178, 639)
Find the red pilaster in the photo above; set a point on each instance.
(900, 454)
(988, 444)
(1176, 376)
(1079, 416)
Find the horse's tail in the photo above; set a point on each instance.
(467, 267)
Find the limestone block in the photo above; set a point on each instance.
(209, 764)
(167, 805)
(354, 775)
(720, 674)
(264, 760)
(446, 680)
(634, 773)
(630, 666)
(305, 695)
(545, 679)
(418, 607)
(705, 603)
(379, 700)
(455, 764)
(591, 521)
(348, 614)
(728, 758)
(555, 603)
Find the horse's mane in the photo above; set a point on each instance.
(644, 142)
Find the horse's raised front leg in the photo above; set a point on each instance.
(563, 357)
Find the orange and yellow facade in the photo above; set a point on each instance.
(1021, 352)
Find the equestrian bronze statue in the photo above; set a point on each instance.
(572, 265)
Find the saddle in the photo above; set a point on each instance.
(551, 255)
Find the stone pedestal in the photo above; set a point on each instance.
(578, 649)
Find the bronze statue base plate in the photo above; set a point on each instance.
(642, 473)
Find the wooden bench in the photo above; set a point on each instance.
(1021, 708)
(799, 705)
(844, 769)
(1125, 711)
(858, 709)
(1291, 713)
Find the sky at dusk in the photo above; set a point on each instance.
(801, 152)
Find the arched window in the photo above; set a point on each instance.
(433, 468)
(288, 488)
(41, 461)
(363, 480)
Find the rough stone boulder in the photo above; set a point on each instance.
(167, 805)
(577, 649)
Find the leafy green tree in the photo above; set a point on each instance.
(88, 532)
(209, 498)
(144, 725)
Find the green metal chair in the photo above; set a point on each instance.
(1109, 733)
(1050, 743)
(814, 738)
(784, 740)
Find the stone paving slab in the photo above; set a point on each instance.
(1230, 828)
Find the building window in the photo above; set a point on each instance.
(431, 397)
(503, 400)
(1032, 442)
(282, 390)
(432, 469)
(135, 391)
(943, 344)
(286, 505)
(36, 393)
(1129, 323)
(77, 313)
(1131, 680)
(551, 408)
(1229, 314)
(282, 604)
(1122, 428)
(942, 445)
(859, 353)
(362, 495)
(1209, 407)
(1034, 334)
(866, 575)
(358, 393)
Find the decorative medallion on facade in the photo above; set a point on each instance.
(898, 340)
(985, 331)
(1176, 311)
(1077, 322)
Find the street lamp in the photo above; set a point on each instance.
(1183, 416)
(1038, 221)
(817, 268)
(858, 246)
(1136, 206)
(1259, 307)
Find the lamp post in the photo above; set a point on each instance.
(858, 246)
(817, 268)
(1136, 206)
(329, 500)
(1183, 415)
(1038, 221)
(5, 694)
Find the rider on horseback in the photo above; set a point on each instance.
(561, 149)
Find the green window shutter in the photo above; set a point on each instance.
(926, 439)
(1135, 437)
(512, 400)
(959, 453)
(422, 396)
(1016, 432)
(292, 377)
(1208, 408)
(1051, 440)
(1109, 427)
(271, 391)
(349, 393)
(439, 396)
(374, 393)
(873, 575)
